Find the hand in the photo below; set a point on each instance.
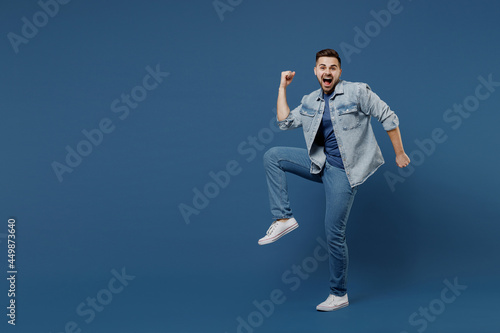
(286, 78)
(402, 160)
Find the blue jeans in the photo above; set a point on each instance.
(339, 198)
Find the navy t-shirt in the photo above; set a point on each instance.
(327, 135)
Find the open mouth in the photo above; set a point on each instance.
(327, 81)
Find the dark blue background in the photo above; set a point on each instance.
(120, 207)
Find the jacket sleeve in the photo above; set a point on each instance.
(372, 105)
(293, 120)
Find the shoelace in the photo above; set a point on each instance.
(271, 228)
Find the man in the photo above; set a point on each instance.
(342, 153)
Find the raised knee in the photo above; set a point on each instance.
(271, 155)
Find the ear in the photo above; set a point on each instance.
(340, 73)
(315, 71)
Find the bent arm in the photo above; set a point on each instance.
(372, 105)
(286, 119)
(282, 108)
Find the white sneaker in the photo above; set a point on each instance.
(333, 303)
(278, 230)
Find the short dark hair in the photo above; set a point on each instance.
(328, 53)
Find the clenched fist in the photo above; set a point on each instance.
(402, 160)
(286, 78)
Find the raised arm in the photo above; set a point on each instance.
(402, 160)
(282, 109)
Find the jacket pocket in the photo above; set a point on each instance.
(307, 112)
(307, 116)
(349, 116)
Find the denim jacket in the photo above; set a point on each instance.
(351, 107)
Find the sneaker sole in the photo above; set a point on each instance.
(326, 308)
(283, 233)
